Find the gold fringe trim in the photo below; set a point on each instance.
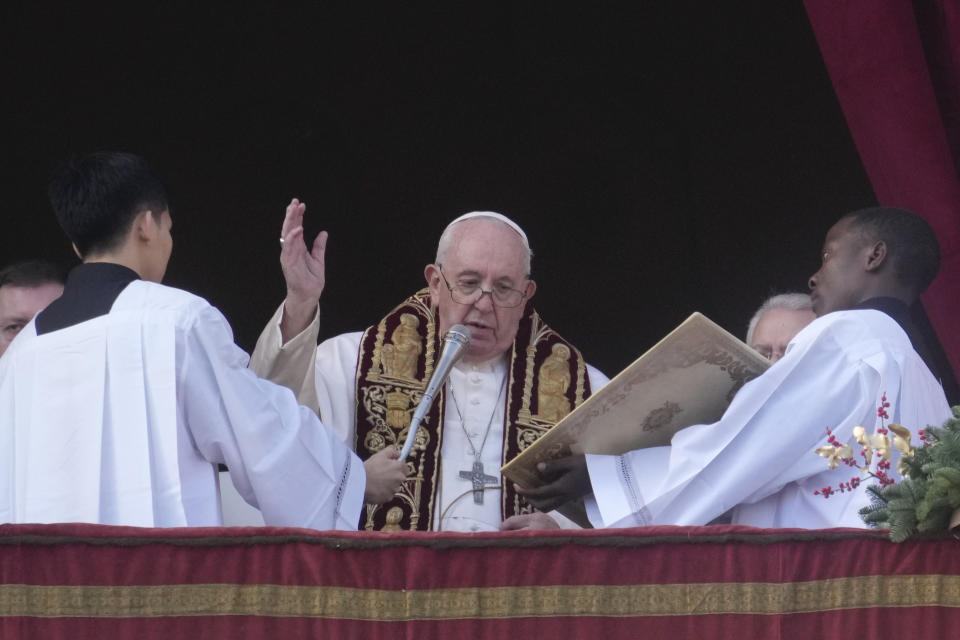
(752, 598)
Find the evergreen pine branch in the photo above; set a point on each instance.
(925, 500)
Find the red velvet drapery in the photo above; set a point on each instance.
(896, 77)
(76, 581)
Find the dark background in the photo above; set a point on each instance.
(663, 158)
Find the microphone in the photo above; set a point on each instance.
(455, 343)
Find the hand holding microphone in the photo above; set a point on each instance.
(385, 475)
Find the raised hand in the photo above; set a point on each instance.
(303, 270)
(385, 475)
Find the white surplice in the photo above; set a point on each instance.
(121, 419)
(759, 459)
(332, 390)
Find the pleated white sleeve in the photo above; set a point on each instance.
(281, 458)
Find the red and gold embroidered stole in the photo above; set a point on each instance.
(547, 379)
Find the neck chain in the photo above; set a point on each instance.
(475, 475)
(456, 405)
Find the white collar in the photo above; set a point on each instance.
(493, 365)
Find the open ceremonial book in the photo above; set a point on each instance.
(687, 378)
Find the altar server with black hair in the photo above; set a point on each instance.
(120, 399)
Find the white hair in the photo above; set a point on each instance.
(492, 216)
(792, 301)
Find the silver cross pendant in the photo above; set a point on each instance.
(479, 480)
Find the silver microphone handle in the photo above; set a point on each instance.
(455, 343)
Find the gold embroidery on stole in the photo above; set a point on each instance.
(387, 395)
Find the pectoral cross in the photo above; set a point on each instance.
(479, 480)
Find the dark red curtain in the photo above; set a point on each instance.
(76, 581)
(894, 66)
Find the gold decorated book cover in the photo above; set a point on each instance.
(687, 378)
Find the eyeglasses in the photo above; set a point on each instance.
(470, 292)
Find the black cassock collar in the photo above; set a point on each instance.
(90, 292)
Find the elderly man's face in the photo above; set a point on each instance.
(18, 305)
(488, 254)
(776, 328)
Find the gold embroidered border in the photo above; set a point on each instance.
(752, 598)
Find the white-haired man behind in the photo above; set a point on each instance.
(777, 321)
(366, 385)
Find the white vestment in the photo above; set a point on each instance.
(759, 458)
(332, 390)
(121, 419)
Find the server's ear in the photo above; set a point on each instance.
(877, 255)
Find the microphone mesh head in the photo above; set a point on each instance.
(458, 333)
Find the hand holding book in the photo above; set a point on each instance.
(564, 480)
